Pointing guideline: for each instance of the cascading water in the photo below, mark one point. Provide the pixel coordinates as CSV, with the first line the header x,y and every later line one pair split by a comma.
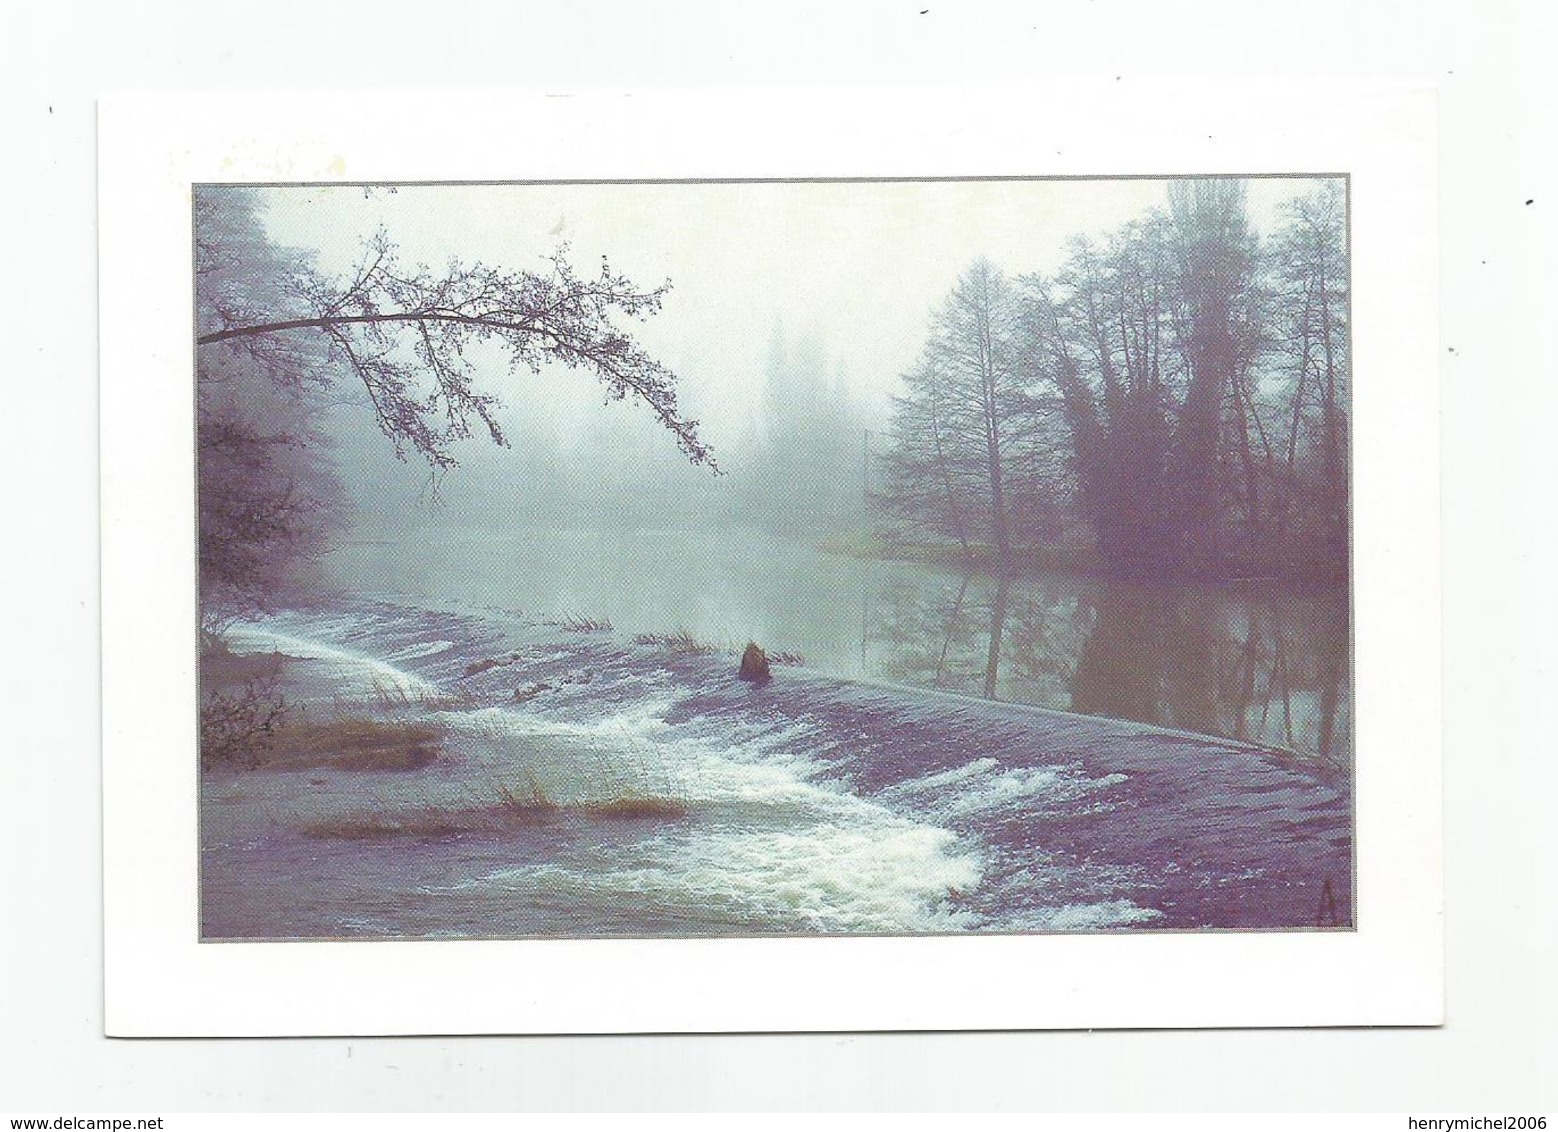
x,y
680,800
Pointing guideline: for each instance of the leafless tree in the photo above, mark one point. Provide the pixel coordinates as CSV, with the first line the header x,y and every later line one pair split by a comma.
x,y
1310,284
973,453
404,333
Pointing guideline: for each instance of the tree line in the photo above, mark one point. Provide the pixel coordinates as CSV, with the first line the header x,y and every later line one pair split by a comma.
x,y
1174,399
802,457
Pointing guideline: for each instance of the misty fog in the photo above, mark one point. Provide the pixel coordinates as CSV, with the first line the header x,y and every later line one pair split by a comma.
x,y
794,311
817,336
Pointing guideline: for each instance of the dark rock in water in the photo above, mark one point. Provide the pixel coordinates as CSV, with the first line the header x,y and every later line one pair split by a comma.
x,y
754,665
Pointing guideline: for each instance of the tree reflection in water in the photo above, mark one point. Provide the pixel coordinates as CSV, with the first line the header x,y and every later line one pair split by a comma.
x,y
1264,665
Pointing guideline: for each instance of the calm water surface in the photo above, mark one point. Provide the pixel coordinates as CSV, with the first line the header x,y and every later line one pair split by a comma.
x,y
1257,662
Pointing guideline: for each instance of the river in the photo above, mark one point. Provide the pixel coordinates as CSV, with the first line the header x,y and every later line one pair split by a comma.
x,y
1259,662
602,771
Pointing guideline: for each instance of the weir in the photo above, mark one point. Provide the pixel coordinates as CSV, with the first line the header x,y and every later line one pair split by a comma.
x,y
807,803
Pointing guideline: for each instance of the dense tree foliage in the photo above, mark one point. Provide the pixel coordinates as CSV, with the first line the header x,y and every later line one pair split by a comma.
x,y
1180,388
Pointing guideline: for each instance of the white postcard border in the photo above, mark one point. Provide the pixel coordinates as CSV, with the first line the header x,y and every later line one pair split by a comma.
x,y
161,981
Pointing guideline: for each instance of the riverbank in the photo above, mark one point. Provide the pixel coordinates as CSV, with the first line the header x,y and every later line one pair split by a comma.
x,y
334,714
1078,557
976,558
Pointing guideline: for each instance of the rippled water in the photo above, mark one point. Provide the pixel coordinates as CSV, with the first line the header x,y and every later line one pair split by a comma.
x,y
809,804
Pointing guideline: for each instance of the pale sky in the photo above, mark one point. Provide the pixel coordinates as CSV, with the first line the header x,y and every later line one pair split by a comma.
x,y
857,266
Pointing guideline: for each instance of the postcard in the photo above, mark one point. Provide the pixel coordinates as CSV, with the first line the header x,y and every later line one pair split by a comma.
x,y
706,566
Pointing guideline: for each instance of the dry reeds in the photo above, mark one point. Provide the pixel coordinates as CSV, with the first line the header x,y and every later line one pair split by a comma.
x,y
391,697
422,824
630,808
515,808
532,800
684,643
680,641
355,743
398,697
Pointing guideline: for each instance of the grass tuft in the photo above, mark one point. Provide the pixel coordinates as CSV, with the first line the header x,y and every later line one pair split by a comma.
x,y
680,641
515,808
635,808
429,824
391,697
684,643
354,743
531,800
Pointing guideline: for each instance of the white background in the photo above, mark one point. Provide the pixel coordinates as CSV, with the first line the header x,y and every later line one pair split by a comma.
x,y
1497,508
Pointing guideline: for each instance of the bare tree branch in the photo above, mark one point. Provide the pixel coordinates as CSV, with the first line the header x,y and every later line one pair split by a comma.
x,y
404,335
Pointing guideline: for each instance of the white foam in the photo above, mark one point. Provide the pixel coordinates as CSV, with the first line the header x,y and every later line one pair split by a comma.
x,y
1081,917
571,764
981,786
415,652
639,725
637,752
764,842
880,877
351,665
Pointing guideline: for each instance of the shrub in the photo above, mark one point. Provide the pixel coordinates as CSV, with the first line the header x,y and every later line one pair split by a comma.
x,y
240,727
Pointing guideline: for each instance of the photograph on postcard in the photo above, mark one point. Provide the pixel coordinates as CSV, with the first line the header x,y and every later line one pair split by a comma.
x,y
736,558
